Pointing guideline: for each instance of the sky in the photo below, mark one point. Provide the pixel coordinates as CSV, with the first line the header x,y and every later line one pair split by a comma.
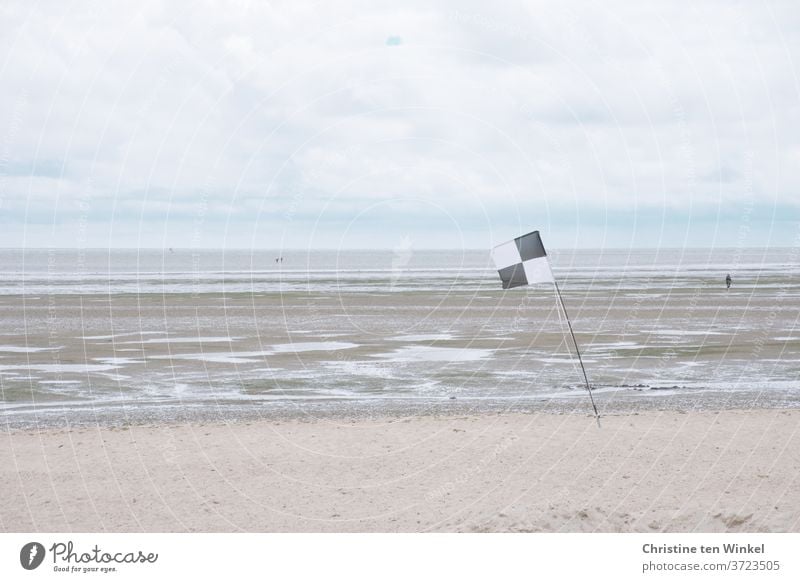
x,y
399,124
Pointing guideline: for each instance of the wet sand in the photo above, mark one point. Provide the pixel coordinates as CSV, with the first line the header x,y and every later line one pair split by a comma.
x,y
354,402
658,471
122,358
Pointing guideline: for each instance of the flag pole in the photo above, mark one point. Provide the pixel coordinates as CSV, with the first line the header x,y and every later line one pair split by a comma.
x,y
577,351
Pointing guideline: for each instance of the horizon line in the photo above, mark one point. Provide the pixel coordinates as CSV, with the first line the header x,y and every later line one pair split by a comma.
x,y
327,249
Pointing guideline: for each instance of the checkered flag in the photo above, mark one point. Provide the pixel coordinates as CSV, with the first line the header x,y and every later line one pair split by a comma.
x,y
522,261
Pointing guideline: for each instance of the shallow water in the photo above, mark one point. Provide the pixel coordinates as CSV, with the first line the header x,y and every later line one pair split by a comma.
x,y
147,334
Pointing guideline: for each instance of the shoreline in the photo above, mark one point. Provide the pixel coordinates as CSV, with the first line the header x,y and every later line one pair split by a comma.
x,y
65,416
732,470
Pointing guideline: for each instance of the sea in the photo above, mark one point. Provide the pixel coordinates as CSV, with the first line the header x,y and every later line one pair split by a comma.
x,y
119,336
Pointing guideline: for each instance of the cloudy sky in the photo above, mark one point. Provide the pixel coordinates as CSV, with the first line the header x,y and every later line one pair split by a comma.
x,y
374,124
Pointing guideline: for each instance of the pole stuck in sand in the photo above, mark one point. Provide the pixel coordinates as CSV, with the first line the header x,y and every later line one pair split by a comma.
x,y
577,351
523,261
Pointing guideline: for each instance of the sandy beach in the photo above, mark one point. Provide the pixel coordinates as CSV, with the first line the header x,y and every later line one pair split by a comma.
x,y
736,471
193,392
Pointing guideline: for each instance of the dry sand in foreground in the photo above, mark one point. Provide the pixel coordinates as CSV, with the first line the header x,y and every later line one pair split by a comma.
x,y
660,471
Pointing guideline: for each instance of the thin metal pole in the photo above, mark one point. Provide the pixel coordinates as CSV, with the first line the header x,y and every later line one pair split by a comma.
x,y
577,351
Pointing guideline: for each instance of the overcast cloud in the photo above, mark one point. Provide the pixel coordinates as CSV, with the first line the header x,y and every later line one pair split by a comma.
x,y
363,124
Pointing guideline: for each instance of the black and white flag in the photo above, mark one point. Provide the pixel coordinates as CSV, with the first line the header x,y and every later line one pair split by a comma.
x,y
522,261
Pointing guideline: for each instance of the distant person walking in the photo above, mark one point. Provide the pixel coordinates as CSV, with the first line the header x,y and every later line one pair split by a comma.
x,y
728,281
